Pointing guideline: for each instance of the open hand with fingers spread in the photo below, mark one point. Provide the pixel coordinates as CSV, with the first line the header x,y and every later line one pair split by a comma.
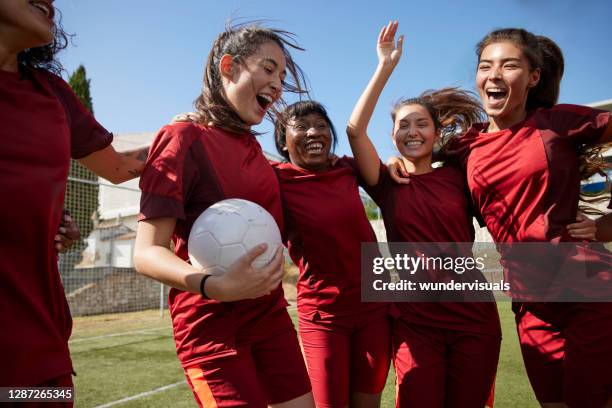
x,y
389,52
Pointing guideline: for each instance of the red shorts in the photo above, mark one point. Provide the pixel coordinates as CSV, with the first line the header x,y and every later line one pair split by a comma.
x,y
61,381
443,368
345,355
270,370
567,350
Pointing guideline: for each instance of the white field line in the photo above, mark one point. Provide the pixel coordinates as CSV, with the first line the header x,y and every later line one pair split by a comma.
x,y
146,331
141,395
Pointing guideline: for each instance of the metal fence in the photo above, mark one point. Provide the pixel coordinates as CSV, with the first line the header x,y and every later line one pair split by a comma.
x,y
98,272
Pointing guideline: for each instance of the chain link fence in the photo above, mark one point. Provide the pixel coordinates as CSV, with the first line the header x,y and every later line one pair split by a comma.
x,y
98,272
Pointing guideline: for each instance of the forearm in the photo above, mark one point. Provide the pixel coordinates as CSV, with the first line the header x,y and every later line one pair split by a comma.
x,y
604,228
161,264
114,166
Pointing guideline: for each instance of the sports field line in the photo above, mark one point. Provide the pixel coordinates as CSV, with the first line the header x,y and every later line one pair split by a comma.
x,y
146,331
141,395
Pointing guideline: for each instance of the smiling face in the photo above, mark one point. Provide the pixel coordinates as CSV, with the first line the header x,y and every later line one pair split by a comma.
x,y
26,23
254,84
414,134
309,140
503,80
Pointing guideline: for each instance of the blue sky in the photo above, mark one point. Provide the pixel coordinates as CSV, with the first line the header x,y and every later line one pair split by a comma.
x,y
146,58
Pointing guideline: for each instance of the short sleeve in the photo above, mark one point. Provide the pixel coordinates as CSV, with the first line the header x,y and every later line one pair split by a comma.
x,y
167,172
582,124
379,191
87,135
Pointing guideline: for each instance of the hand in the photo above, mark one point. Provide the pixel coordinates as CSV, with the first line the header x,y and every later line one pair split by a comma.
x,y
585,228
186,117
242,281
67,234
388,52
398,171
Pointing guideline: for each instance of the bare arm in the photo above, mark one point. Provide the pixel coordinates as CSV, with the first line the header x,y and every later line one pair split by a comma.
x,y
364,151
153,258
114,166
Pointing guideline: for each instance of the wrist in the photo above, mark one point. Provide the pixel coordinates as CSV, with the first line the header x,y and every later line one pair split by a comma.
x,y
212,287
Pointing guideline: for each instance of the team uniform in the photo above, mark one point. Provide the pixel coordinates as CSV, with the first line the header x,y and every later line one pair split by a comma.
x,y
525,182
44,124
445,353
242,353
346,343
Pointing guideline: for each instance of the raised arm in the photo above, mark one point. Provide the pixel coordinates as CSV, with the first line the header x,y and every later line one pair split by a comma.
x,y
364,151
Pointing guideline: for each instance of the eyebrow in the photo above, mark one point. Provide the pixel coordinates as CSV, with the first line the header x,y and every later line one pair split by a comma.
x,y
503,60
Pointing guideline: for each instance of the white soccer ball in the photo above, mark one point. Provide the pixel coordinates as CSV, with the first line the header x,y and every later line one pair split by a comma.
x,y
227,230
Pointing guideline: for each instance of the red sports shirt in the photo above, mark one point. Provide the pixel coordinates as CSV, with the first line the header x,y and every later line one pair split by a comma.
x,y
44,124
433,207
325,224
189,168
525,182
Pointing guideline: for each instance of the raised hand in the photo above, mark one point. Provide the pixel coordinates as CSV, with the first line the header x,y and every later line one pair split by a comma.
x,y
388,51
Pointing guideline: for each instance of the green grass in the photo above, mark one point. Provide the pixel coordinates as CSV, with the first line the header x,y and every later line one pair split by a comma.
x,y
140,356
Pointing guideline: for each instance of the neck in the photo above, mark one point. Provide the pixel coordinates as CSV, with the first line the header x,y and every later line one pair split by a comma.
x,y
500,123
8,50
418,166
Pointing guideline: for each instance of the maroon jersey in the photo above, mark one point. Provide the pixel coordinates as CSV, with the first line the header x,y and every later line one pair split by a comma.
x,y
189,168
325,224
44,124
525,182
433,207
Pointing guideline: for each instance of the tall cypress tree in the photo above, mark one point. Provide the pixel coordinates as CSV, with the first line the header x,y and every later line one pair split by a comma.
x,y
81,194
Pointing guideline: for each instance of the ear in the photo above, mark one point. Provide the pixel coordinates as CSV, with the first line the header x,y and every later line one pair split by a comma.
x,y
534,78
226,66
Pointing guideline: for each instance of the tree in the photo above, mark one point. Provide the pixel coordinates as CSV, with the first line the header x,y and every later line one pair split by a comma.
x,y
82,189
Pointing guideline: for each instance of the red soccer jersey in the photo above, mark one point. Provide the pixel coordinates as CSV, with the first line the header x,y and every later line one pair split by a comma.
x,y
433,207
43,125
325,224
189,168
525,180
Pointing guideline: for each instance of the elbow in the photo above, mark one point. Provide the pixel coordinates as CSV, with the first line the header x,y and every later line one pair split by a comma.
x,y
140,262
353,132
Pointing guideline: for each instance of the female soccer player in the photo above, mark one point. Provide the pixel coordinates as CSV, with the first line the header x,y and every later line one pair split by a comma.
x,y
233,334
529,158
346,342
43,125
445,354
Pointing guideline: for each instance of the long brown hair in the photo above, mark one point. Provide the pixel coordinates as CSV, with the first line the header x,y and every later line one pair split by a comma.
x,y
544,54
452,110
241,41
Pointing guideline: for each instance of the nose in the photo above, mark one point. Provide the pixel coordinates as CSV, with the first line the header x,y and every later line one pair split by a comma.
x,y
277,86
311,131
495,72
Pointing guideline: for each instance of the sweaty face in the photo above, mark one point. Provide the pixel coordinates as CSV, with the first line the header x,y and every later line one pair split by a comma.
x,y
27,23
309,141
256,83
503,80
414,133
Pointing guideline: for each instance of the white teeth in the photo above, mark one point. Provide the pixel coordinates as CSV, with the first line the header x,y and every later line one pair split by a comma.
x,y
267,98
314,147
413,143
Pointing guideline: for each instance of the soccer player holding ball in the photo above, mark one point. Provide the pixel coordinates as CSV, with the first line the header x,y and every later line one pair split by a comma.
x,y
233,335
346,342
43,126
445,353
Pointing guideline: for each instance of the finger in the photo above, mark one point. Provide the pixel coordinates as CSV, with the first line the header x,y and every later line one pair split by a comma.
x,y
400,43
388,30
393,30
583,231
381,35
580,217
576,225
250,256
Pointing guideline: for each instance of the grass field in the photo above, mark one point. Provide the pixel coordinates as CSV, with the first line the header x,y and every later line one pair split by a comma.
x,y
131,357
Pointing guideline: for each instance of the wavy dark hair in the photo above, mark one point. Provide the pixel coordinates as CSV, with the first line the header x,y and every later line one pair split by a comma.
x,y
544,54
44,57
453,112
241,41
294,111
